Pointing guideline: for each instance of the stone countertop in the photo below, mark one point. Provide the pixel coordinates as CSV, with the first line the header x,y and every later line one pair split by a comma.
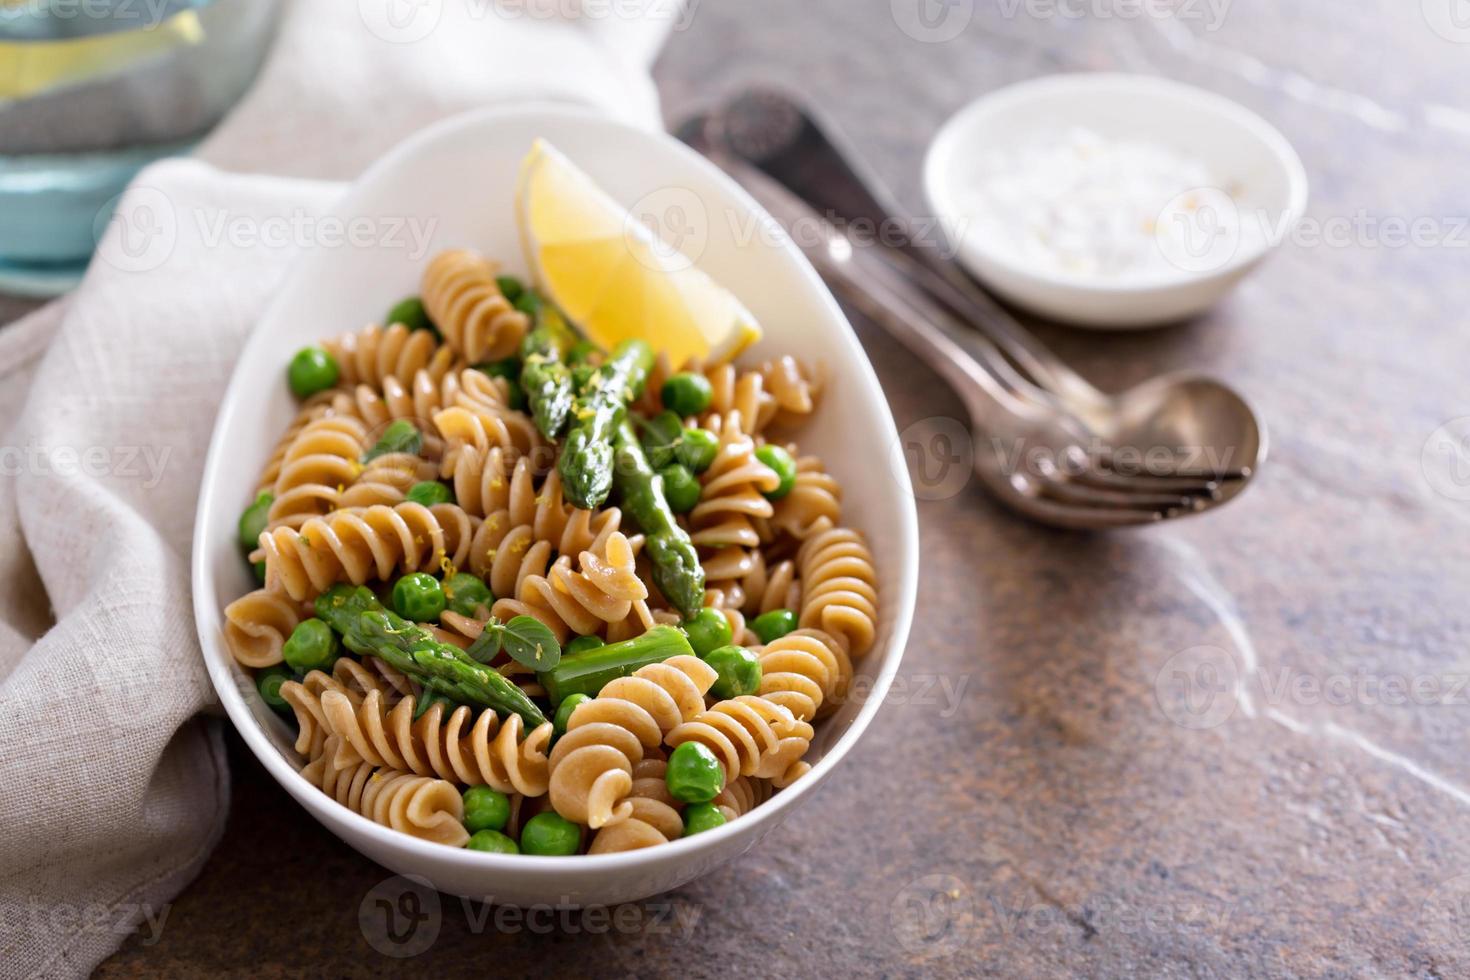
x,y
1224,747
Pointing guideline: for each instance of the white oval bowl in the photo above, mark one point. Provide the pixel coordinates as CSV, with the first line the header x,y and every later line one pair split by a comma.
x,y
462,173
1239,147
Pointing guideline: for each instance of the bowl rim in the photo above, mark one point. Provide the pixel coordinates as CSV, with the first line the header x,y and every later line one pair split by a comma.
x,y
708,844
947,141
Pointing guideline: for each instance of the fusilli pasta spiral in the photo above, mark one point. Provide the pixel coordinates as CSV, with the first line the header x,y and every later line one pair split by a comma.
x,y
750,735
806,671
257,625
426,395
374,354
461,297
357,546
722,523
766,588
654,818
349,678
741,796
603,595
815,498
776,392
387,480
320,462
334,401
420,806
501,755
839,586
482,448
592,764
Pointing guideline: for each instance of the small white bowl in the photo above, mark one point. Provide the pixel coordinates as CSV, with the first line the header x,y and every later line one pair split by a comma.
x,y
460,177
1264,175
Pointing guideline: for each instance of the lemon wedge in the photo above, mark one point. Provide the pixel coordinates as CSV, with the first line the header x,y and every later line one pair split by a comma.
x,y
612,276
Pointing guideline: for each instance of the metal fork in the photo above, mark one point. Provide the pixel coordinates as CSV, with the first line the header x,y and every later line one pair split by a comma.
x,y
1035,456
1017,393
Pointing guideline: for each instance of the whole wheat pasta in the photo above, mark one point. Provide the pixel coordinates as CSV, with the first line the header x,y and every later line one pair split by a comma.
x,y
441,541
592,764
373,355
839,587
357,546
319,464
749,735
460,746
463,300
257,625
420,806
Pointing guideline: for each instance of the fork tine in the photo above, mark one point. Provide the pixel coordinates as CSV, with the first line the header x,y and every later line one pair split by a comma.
x,y
1062,488
1104,458
1087,518
1147,483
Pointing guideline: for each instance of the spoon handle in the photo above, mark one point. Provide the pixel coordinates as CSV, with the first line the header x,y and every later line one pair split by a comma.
x,y
784,140
975,368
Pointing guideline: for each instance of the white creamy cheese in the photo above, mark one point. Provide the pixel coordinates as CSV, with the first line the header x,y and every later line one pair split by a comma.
x,y
1080,204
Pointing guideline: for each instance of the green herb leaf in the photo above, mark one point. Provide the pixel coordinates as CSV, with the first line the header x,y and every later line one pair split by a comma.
x,y
427,700
400,437
487,644
661,436
530,642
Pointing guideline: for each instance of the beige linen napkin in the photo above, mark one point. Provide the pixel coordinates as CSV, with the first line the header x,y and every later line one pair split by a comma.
x,y
113,786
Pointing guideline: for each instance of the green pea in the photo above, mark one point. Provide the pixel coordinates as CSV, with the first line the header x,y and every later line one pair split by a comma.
x,y
311,646
779,460
411,313
510,287
708,630
694,774
698,448
582,644
493,842
465,593
429,493
686,394
254,520
485,809
550,834
510,370
259,571
565,709
312,370
699,817
774,624
681,488
418,597
739,670
269,681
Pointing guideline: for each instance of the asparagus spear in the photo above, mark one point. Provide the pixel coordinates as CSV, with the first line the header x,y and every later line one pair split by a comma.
x,y
587,456
369,629
546,381
586,673
676,568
